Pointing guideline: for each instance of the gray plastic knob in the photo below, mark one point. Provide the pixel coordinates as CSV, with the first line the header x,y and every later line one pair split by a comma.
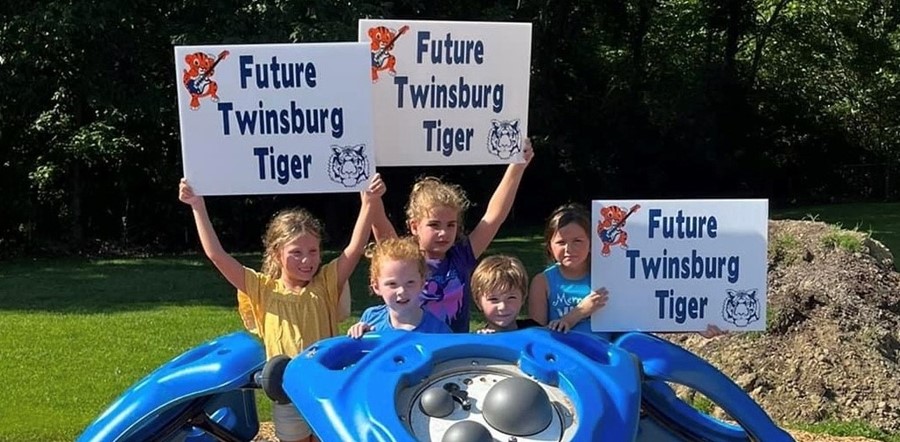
x,y
518,406
436,402
467,431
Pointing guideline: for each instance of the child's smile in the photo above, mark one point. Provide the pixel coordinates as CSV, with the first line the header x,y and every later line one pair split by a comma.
x,y
399,283
300,259
501,309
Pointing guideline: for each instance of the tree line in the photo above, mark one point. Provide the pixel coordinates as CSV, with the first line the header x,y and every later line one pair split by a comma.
x,y
792,100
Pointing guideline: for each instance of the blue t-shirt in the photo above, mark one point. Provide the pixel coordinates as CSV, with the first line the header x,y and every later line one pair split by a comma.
x,y
447,294
379,318
564,294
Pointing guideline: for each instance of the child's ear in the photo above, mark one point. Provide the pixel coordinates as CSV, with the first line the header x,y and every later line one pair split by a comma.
x,y
374,287
413,226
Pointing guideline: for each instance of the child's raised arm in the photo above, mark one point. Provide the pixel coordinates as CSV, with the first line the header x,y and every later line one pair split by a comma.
x,y
537,299
382,228
500,204
371,201
230,268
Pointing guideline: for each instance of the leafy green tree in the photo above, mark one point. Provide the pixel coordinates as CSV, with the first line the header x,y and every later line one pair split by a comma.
x,y
787,99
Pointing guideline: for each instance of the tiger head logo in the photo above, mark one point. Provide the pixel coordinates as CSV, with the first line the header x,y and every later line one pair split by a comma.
x,y
504,139
348,165
741,307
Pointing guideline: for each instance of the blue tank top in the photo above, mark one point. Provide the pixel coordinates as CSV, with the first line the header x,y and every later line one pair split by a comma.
x,y
564,294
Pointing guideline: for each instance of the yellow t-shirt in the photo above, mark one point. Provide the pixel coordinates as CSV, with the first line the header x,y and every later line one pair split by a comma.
x,y
290,320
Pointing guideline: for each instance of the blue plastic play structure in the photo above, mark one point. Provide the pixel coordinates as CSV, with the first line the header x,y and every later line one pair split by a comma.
x,y
194,397
533,384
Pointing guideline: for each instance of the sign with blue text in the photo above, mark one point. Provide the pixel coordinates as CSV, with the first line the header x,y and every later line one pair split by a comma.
x,y
283,118
448,93
680,265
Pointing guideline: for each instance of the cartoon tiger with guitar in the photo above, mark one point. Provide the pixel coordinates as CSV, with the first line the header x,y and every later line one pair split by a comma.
x,y
197,78
611,228
382,41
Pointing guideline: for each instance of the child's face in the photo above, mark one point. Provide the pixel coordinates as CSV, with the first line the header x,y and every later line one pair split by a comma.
x,y
437,232
501,308
399,284
570,246
300,258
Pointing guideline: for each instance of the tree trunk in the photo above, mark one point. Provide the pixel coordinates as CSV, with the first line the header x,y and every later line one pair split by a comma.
x,y
761,41
76,230
639,33
735,27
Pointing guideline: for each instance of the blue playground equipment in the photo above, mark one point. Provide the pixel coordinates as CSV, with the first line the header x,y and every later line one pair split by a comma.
x,y
528,385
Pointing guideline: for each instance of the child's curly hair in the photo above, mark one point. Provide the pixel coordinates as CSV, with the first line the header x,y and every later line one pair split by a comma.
x,y
429,193
284,227
498,274
396,249
563,216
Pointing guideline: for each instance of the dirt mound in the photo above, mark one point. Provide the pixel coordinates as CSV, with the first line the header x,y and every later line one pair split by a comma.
x,y
832,346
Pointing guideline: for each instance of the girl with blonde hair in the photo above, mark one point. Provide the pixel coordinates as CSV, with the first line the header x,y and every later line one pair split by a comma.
x,y
434,216
293,302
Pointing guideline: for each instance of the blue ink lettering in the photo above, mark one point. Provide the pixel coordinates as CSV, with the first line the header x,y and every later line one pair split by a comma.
x,y
681,227
680,308
283,75
281,167
448,51
446,139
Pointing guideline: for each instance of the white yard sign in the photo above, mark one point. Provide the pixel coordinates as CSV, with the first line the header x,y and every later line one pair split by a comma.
x,y
286,118
680,265
448,93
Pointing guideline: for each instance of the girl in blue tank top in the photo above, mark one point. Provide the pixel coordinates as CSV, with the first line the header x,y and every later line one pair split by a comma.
x,y
561,296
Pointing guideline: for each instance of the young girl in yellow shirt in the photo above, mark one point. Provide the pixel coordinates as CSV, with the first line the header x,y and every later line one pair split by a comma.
x,y
293,302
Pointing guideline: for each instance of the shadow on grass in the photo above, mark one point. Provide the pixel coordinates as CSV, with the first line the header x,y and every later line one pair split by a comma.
x,y
75,285
88,286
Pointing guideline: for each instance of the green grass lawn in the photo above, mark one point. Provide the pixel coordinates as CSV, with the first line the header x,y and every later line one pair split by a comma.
x,y
76,333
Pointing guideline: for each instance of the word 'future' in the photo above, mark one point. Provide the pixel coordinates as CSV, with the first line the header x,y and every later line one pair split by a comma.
x,y
448,50
283,75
